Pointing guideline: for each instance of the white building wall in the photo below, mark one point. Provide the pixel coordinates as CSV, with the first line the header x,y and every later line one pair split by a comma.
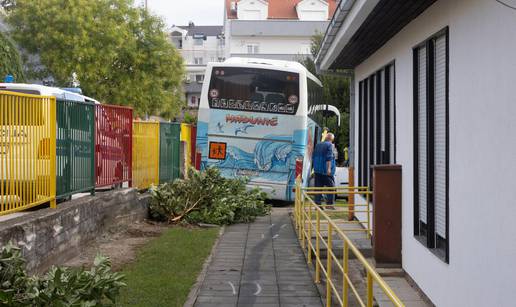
x,y
211,50
482,122
252,10
312,10
272,45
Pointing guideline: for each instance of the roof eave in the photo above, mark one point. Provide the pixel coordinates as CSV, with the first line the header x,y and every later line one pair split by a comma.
x,y
348,18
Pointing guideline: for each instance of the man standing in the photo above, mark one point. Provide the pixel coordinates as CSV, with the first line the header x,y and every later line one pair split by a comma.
x,y
323,160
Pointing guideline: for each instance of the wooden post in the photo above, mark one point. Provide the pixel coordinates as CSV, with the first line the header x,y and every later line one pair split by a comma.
x,y
351,197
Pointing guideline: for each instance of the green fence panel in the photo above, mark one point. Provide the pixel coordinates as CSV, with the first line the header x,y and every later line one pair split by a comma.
x,y
75,147
169,139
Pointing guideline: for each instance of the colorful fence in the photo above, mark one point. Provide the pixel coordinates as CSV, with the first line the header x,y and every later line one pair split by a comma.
x,y
186,136
146,149
75,147
27,151
169,143
51,150
113,148
193,145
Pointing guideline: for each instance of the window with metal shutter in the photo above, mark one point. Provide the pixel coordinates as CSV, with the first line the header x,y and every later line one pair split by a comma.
x,y
370,160
378,120
366,132
440,126
360,131
392,117
431,146
382,111
365,140
422,135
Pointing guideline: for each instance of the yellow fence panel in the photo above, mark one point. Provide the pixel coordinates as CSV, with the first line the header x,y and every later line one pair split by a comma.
x,y
27,151
186,136
145,154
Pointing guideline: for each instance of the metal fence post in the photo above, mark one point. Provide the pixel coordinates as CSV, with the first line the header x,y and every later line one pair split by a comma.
x,y
309,233
329,265
345,286
369,289
317,248
303,222
52,150
368,214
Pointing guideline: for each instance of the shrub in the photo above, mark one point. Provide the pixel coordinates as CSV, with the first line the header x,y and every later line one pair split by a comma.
x,y
207,197
60,286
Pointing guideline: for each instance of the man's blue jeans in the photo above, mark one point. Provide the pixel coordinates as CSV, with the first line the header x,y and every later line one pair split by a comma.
x,y
322,180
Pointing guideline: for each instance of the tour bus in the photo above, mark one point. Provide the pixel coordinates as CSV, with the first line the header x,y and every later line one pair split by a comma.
x,y
260,119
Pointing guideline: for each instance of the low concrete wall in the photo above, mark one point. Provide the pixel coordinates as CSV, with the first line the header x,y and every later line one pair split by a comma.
x,y
52,236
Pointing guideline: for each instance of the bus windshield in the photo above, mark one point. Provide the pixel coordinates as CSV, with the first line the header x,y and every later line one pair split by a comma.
x,y
254,90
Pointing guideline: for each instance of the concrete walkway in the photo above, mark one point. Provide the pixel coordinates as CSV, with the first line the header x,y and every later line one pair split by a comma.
x,y
259,264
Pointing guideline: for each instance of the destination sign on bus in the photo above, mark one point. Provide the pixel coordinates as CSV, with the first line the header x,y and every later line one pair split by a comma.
x,y
255,106
254,90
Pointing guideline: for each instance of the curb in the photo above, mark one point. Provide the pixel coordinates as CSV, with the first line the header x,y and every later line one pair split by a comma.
x,y
194,291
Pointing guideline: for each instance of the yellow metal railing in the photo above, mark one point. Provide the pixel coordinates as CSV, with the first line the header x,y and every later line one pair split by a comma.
x,y
27,151
309,218
350,207
145,154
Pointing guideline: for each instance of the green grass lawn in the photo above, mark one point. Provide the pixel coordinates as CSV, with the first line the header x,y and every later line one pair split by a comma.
x,y
167,267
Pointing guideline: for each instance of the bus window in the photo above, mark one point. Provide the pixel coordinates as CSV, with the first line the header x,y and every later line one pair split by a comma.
x,y
254,90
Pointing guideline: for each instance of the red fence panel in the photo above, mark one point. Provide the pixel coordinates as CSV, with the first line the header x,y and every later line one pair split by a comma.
x,y
113,145
193,145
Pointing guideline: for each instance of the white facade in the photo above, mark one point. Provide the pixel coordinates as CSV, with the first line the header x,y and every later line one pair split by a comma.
x,y
252,30
312,10
198,45
279,45
482,150
252,10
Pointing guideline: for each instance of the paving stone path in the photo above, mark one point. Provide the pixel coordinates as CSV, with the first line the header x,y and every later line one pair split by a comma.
x,y
259,264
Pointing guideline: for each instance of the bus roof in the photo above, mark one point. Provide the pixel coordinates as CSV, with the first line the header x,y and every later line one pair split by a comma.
x,y
276,63
46,91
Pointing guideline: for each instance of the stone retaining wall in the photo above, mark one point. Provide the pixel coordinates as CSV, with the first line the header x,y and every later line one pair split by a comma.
x,y
51,236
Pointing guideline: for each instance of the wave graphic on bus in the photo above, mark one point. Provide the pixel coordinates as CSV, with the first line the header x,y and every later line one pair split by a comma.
x,y
272,160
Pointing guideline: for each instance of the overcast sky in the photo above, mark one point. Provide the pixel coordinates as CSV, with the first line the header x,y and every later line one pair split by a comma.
x,y
180,12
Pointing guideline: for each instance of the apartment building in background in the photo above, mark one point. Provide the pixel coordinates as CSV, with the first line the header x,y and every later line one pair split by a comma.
x,y
274,29
198,45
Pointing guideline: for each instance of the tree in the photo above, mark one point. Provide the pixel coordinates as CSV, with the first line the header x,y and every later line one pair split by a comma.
x,y
119,53
335,92
7,4
10,61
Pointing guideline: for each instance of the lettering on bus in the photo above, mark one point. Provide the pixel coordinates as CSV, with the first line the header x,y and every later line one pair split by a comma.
x,y
253,106
260,121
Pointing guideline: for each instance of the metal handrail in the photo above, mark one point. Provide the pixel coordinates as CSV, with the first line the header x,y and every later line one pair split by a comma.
x,y
305,226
